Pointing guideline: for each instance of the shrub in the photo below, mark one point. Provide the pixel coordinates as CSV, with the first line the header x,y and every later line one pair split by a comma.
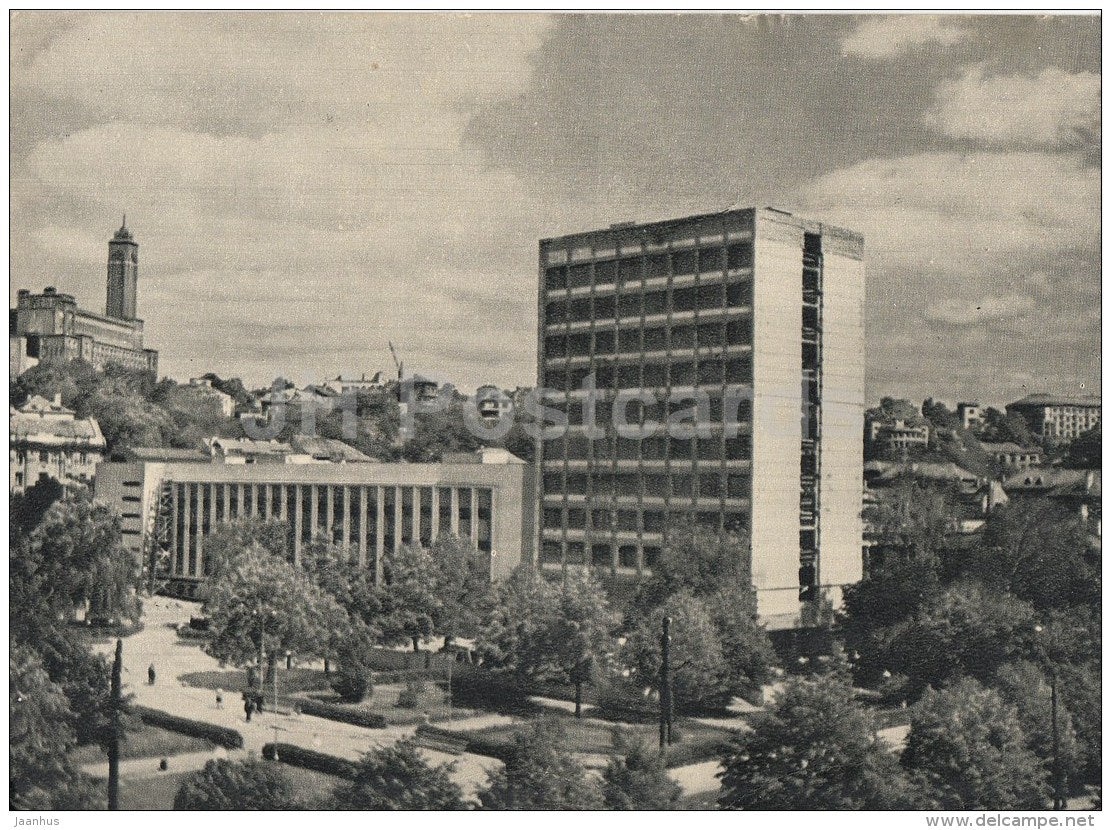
x,y
339,712
235,785
411,695
352,682
309,759
219,735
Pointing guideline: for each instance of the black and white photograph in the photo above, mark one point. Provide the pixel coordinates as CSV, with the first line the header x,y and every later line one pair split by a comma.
x,y
564,411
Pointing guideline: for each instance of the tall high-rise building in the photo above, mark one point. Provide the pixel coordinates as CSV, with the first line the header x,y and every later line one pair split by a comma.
x,y
753,318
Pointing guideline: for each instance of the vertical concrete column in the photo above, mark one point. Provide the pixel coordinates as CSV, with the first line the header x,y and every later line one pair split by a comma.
x,y
435,514
346,518
298,499
314,505
380,534
455,511
363,491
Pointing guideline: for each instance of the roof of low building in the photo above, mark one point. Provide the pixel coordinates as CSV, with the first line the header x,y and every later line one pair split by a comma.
x,y
1008,447
1046,478
1044,399
161,454
327,448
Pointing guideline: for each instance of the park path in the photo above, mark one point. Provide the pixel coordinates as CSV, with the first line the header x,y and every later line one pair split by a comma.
x,y
157,644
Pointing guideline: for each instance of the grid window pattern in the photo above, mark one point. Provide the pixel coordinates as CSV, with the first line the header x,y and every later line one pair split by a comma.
x,y
674,318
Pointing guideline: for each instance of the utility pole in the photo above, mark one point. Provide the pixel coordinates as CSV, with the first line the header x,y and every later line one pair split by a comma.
x,y
114,725
1060,795
665,685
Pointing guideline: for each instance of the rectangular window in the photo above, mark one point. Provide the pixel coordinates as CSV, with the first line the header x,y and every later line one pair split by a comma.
x,y
738,294
465,519
553,518
628,305
578,276
739,255
601,556
738,332
738,486
627,556
551,553
628,340
684,262
555,345
605,272
655,302
576,484
575,553
605,307
655,485
555,279
655,339
654,521
576,518
485,519
683,374
684,299
578,345
579,309
628,377
655,374
425,494
709,485
603,342
555,312
627,520
682,337
389,519
629,271
709,260
657,266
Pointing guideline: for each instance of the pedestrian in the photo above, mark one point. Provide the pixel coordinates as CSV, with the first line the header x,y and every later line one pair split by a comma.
x,y
249,709
150,674
219,698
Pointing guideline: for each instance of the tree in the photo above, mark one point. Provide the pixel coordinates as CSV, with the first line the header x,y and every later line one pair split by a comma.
x,y
261,603
398,778
1086,451
749,654
966,630
236,785
1003,427
229,539
515,632
1038,551
968,741
939,414
40,736
699,560
540,773
582,632
1023,684
28,508
462,578
816,749
409,600
74,558
700,677
636,778
353,680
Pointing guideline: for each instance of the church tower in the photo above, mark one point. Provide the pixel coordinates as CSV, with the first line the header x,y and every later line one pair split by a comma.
x,y
123,274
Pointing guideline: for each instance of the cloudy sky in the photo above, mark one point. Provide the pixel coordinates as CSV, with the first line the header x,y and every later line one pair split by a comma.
x,y
307,187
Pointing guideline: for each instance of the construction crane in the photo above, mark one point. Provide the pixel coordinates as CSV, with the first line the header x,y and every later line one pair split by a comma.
x,y
400,366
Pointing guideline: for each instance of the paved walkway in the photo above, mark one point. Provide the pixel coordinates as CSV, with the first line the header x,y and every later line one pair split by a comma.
x,y
172,657
138,768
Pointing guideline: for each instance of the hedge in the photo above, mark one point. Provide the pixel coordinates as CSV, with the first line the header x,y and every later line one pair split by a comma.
x,y
219,735
343,714
310,759
475,742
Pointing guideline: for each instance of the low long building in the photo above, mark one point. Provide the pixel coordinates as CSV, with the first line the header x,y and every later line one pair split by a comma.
x,y
1059,417
173,506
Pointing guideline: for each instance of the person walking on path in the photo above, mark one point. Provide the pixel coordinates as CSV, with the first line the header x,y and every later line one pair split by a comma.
x,y
150,674
219,698
249,708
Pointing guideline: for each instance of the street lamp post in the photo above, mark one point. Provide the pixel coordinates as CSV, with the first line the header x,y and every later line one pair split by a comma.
x,y
1060,791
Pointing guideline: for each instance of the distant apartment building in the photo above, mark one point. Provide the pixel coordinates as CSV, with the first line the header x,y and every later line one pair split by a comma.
x,y
47,440
1012,455
173,505
50,327
1059,417
754,307
971,415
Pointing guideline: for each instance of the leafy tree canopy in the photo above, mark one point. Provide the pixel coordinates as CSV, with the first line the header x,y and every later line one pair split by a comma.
x,y
398,778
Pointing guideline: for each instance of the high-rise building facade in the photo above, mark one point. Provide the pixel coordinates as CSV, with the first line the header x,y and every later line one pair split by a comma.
x,y
752,320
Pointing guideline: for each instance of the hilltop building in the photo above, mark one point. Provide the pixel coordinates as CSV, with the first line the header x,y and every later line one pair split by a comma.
x,y
51,327
1059,417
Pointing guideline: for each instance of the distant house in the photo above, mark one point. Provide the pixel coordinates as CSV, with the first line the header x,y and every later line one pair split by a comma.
x,y
203,388
340,384
493,402
300,449
971,415
1012,455
321,398
1079,490
47,440
896,427
424,389
1059,417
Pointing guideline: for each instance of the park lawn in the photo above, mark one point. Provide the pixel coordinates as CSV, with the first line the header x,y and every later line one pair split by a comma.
x,y
234,681
145,741
158,792
432,702
589,736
